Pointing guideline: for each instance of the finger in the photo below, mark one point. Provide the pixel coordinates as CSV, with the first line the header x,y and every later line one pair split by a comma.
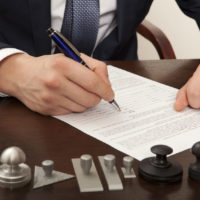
x,y
67,104
97,66
193,90
54,100
52,103
61,111
181,99
102,71
87,79
56,104
78,95
53,110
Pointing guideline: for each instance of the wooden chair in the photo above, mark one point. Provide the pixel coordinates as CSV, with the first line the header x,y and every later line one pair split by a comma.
x,y
157,38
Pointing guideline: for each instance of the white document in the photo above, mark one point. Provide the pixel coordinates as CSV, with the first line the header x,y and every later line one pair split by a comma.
x,y
146,119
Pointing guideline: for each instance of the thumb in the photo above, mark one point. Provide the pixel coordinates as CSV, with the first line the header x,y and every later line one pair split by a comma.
x,y
181,99
97,66
103,73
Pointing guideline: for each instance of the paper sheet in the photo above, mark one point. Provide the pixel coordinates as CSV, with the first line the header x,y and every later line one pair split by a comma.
x,y
147,117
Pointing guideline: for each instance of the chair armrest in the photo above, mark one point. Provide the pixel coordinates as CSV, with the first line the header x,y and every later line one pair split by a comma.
x,y
157,38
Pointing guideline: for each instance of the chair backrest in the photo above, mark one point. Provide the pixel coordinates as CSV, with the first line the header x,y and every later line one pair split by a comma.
x,y
158,39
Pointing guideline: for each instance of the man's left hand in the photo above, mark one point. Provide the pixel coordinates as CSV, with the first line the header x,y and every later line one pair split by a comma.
x,y
189,94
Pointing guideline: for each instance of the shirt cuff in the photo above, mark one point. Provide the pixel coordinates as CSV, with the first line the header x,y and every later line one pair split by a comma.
x,y
4,53
3,95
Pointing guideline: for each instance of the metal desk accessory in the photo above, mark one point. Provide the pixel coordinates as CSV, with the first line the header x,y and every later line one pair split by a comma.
x,y
45,175
86,174
13,172
128,167
112,177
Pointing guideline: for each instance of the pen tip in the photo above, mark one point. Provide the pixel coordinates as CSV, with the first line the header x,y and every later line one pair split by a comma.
x,y
115,104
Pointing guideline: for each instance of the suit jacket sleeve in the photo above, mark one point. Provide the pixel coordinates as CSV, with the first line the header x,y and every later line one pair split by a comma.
x,y
191,8
3,43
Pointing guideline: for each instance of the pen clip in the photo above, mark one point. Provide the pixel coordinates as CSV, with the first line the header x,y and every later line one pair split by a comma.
x,y
68,43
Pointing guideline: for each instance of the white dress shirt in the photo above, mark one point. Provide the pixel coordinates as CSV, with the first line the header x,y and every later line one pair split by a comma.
x,y
107,23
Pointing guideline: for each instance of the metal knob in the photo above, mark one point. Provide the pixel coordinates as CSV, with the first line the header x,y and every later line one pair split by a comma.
x,y
48,166
13,156
13,172
128,164
86,163
109,161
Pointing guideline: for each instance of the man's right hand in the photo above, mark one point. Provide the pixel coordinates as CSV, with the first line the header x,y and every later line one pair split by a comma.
x,y
55,84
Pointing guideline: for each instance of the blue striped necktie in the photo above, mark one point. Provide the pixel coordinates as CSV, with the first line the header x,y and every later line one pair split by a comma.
x,y
80,24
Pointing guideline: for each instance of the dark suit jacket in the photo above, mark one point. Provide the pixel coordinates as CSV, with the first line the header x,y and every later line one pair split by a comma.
x,y
23,25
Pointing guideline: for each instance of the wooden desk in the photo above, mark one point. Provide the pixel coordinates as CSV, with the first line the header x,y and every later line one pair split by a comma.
x,y
48,138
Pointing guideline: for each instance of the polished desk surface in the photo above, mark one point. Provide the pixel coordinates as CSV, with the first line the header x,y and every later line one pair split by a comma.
x,y
44,137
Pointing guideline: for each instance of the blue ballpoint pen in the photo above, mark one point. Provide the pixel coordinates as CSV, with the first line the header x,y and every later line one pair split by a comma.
x,y
67,48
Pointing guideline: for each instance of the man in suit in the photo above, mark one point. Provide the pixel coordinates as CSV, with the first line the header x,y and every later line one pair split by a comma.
x,y
54,84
